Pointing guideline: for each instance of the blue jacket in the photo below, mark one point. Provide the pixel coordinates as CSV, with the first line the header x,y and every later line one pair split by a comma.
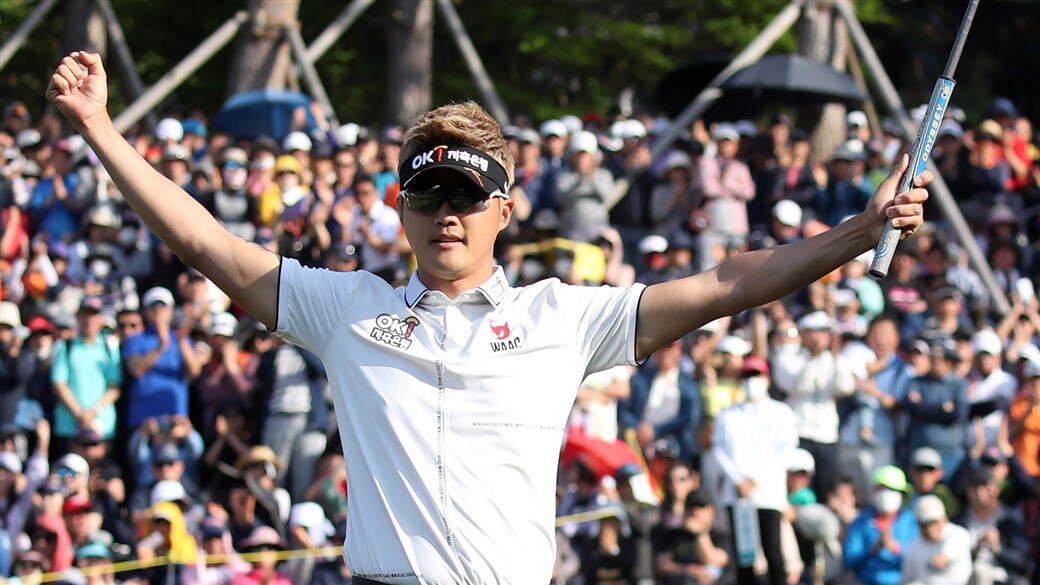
x,y
683,428
882,568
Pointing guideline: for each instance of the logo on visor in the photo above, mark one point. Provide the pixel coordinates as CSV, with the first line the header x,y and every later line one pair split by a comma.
x,y
440,153
393,331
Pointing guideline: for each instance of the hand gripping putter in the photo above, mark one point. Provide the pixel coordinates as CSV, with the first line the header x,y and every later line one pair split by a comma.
x,y
924,142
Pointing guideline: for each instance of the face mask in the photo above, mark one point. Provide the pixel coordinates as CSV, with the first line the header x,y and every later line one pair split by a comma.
x,y
887,501
100,268
127,237
234,179
756,388
288,181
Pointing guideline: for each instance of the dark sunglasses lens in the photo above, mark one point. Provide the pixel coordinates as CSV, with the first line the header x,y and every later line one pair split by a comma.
x,y
428,202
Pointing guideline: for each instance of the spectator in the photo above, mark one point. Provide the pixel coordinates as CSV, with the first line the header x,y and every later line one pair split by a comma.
x,y
83,520
842,189
673,200
1000,550
160,360
812,380
163,450
264,541
937,408
16,366
308,529
595,412
329,489
223,564
687,553
29,566
232,203
926,473
229,375
163,533
74,473
941,553
990,390
259,467
241,512
17,488
584,190
799,180
233,437
727,186
664,402
374,229
87,376
95,560
877,539
752,442
333,571
50,538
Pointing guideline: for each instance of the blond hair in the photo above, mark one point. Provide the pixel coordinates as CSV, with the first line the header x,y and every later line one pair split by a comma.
x,y
462,124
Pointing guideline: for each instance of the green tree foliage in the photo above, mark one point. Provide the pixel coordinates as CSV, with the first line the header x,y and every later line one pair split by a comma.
x,y
548,57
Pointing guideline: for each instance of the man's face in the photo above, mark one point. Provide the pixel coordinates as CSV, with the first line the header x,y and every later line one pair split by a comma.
x,y
366,194
987,363
448,245
346,166
90,323
925,478
168,470
932,531
883,337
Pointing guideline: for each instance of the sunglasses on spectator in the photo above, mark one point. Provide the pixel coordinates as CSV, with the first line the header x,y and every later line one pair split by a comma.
x,y
925,468
65,472
462,201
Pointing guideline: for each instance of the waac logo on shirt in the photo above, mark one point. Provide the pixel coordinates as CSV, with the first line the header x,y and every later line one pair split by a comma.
x,y
393,331
504,338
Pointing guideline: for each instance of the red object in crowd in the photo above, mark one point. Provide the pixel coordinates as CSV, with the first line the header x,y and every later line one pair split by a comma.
x,y
600,457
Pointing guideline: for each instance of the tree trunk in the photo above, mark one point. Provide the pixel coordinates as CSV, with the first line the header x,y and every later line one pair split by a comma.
x,y
821,37
410,61
262,56
84,28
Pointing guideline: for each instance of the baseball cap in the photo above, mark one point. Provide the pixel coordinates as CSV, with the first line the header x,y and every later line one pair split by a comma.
x,y
948,292
75,504
71,577
951,128
697,499
27,139
734,345
801,460
986,341
223,324
1002,106
169,129
348,134
485,172
553,128
815,321
343,251
844,297
1031,370
725,132
10,462
90,305
392,135
788,213
745,128
297,141
584,141
258,454
262,535
529,136
73,462
754,365
168,490
212,528
677,159
194,126
157,294
981,475
990,129
847,154
165,453
10,315
857,119
926,457
39,323
87,435
653,244
234,155
93,550
929,509
175,152
681,240
16,109
890,477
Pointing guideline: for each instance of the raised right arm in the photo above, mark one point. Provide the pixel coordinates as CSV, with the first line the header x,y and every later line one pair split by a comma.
x,y
245,271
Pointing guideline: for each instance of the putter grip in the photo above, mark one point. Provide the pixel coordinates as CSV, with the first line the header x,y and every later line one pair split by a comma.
x,y
919,155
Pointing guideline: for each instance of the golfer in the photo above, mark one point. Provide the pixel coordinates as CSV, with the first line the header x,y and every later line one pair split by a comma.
x,y
452,392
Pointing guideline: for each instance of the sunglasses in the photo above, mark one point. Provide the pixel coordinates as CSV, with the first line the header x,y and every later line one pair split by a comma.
x,y
462,201
65,472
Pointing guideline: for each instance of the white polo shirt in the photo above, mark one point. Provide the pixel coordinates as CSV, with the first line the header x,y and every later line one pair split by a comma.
x,y
452,413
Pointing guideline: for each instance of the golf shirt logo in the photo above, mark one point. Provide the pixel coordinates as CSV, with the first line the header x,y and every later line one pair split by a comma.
x,y
393,331
501,333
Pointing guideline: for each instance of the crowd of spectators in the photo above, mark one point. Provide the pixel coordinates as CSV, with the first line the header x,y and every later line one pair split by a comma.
x,y
857,431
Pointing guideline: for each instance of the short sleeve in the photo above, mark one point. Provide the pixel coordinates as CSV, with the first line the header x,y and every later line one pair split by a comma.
x,y
311,302
606,324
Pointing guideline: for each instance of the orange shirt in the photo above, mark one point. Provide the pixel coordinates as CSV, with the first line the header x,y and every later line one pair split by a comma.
x,y
1025,415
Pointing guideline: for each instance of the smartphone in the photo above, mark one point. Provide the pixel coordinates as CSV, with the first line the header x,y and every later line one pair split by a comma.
x,y
1025,290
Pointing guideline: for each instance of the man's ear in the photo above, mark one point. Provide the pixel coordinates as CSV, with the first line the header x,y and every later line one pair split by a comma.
x,y
505,213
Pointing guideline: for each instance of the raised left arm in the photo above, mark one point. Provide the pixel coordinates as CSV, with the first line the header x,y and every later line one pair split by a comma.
x,y
672,309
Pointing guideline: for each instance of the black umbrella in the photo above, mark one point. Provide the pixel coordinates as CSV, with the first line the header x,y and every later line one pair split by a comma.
x,y
793,79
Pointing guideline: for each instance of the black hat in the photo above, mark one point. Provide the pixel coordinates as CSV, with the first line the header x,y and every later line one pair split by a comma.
x,y
697,499
343,251
165,453
480,167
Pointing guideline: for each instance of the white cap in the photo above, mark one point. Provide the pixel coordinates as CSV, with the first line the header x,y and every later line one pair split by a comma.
x,y
1029,352
844,297
734,345
745,128
10,461
677,159
1032,370
815,321
573,123
951,127
725,131
73,462
348,134
168,490
986,341
929,509
223,324
632,129
306,514
856,118
584,141
27,138
10,315
653,243
157,294
553,128
788,213
297,141
801,460
169,129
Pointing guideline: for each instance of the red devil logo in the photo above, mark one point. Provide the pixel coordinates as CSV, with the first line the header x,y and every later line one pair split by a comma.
x,y
501,331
